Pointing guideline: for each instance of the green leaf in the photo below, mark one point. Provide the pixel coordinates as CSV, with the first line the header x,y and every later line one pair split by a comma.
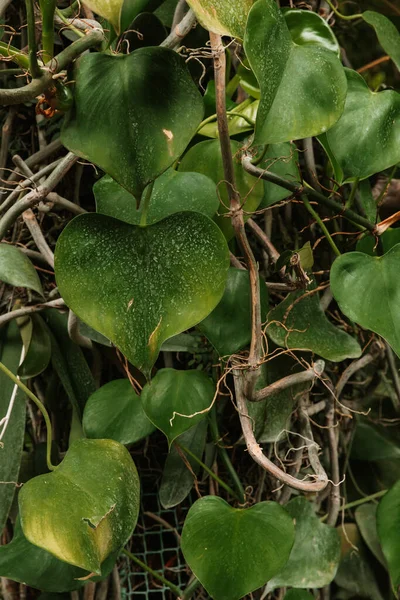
x,y
363,151
249,545
281,159
172,192
38,353
115,412
367,201
140,286
12,441
294,594
387,34
221,16
177,479
145,30
388,239
236,124
206,158
86,508
367,291
109,9
381,444
285,70
172,396
308,28
16,269
366,520
303,325
142,130
315,555
130,10
228,327
388,523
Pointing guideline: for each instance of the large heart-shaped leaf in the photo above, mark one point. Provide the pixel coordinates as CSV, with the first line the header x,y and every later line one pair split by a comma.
x,y
299,322
86,508
171,399
206,158
366,139
115,412
109,9
172,192
222,16
368,292
249,545
139,286
315,555
388,523
387,34
16,269
142,131
285,70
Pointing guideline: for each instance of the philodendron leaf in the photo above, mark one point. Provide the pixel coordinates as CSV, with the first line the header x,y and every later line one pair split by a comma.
x,y
366,520
171,399
387,34
206,158
310,73
115,412
139,286
109,9
388,523
308,28
16,269
142,130
86,508
315,555
368,292
299,322
38,353
222,16
172,192
249,545
281,159
366,139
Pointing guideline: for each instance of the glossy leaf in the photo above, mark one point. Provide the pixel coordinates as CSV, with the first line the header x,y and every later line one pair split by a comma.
x,y
172,192
140,286
221,16
315,555
285,70
303,325
115,412
206,158
177,479
367,291
86,508
109,9
365,516
364,151
388,524
236,124
38,352
387,34
308,28
249,545
16,269
171,396
142,130
13,438
282,160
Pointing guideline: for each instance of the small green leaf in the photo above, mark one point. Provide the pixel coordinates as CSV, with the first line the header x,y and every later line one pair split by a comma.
x,y
16,269
172,192
142,130
221,16
315,555
303,325
364,151
109,9
249,545
86,508
282,160
172,396
38,353
367,201
228,327
367,291
388,523
366,520
306,256
115,412
308,28
206,158
387,34
139,286
285,70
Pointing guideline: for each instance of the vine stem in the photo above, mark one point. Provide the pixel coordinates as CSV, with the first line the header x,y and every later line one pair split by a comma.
x,y
40,406
177,591
47,8
352,195
322,225
33,61
340,15
13,54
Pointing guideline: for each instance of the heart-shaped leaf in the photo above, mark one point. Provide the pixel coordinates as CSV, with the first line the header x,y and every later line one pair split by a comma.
x,y
362,151
173,396
308,28
16,269
139,286
388,523
221,16
109,9
115,412
86,508
299,322
172,192
206,158
142,130
315,555
387,34
249,545
368,292
310,73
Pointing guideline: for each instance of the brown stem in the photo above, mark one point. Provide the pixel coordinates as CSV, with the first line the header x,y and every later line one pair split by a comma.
x,y
289,381
27,310
180,31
